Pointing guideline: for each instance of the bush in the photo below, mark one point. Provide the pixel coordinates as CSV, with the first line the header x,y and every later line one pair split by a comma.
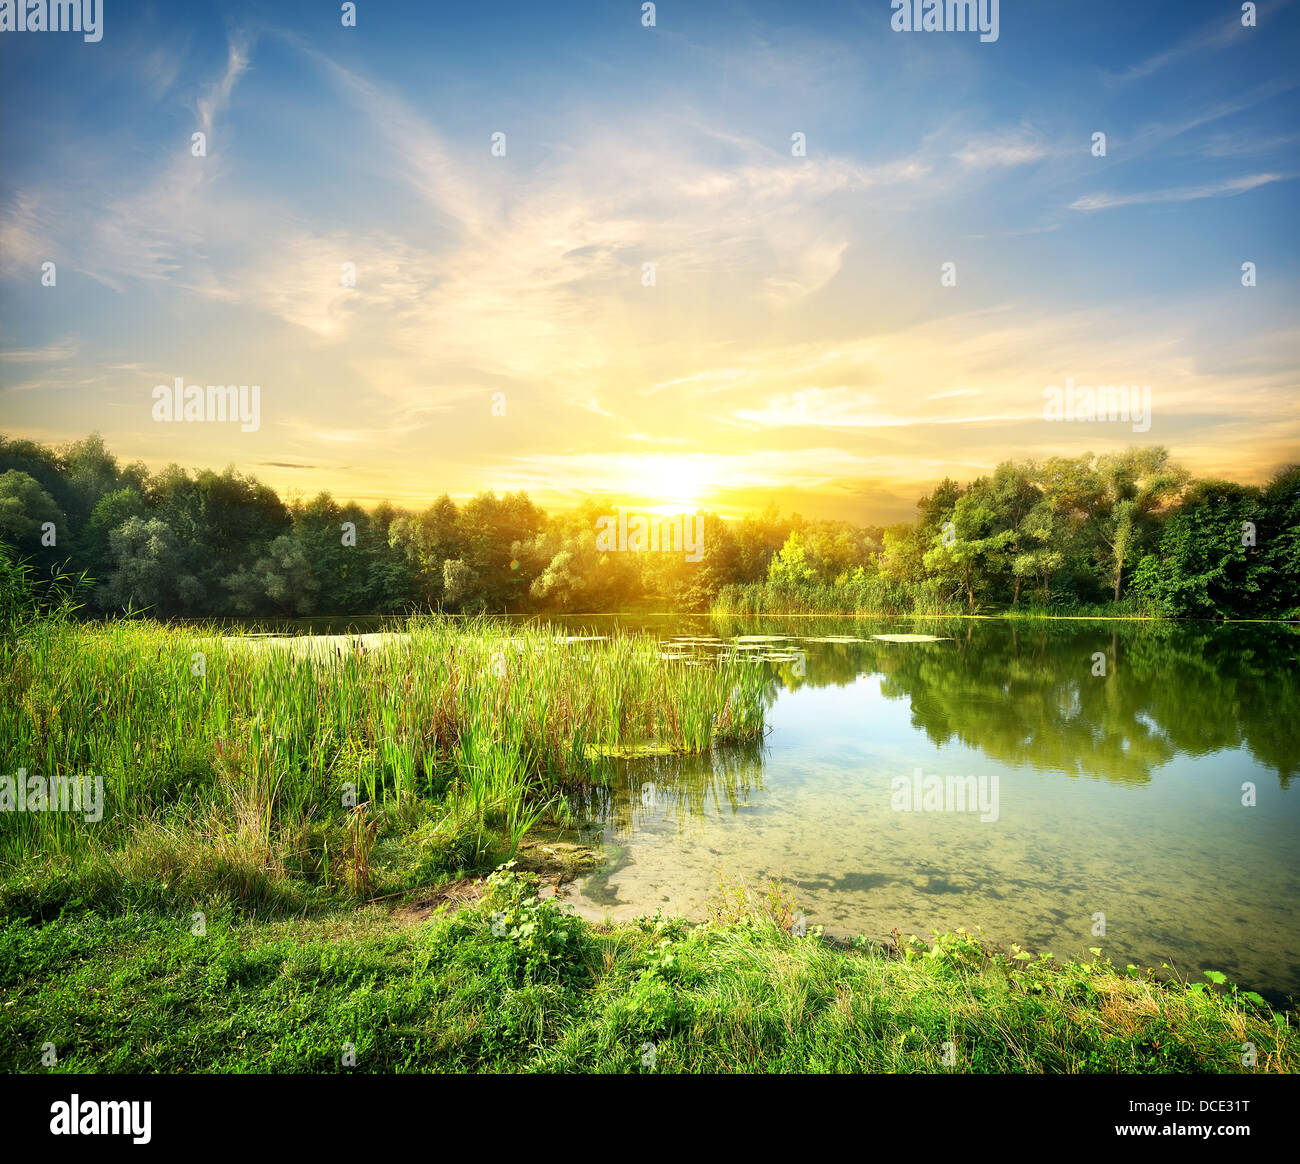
x,y
515,938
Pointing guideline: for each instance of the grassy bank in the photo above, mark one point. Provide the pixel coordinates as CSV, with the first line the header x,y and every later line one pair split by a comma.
x,y
877,598
243,902
869,596
517,984
268,775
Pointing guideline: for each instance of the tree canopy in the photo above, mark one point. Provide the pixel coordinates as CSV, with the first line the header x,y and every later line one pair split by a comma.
x,y
1127,528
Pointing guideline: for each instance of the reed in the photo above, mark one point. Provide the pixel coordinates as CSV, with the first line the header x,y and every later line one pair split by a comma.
x,y
263,746
873,596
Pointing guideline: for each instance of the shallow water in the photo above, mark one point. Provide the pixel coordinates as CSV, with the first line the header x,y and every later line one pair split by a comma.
x,y
1117,794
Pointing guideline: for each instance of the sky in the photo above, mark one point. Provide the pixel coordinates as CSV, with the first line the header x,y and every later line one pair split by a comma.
x,y
795,339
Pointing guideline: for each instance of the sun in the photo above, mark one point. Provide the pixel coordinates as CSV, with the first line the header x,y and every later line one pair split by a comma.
x,y
666,482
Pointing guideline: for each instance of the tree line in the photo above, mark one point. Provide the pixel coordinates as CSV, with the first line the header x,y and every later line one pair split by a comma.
x,y
1126,532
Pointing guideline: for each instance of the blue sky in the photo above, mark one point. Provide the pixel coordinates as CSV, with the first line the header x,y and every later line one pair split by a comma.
x,y
797,343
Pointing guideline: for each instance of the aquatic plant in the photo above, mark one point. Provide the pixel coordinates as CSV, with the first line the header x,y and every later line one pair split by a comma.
x,y
257,752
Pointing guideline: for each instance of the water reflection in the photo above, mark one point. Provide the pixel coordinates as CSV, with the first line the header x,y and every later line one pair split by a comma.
x,y
1108,700
1073,718
680,789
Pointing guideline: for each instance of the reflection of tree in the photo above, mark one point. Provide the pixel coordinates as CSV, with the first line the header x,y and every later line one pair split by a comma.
x,y
1029,700
1236,685
683,787
1024,692
1029,696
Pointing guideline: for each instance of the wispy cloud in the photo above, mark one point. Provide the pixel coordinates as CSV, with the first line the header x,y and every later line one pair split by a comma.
x,y
794,337
1180,194
1017,148
216,96
52,353
1218,34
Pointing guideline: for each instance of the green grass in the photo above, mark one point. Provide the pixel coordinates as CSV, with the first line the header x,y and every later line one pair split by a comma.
x,y
869,596
515,984
879,598
272,776
225,795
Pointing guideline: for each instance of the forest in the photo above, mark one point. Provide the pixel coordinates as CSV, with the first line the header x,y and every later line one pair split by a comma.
x,y
1123,533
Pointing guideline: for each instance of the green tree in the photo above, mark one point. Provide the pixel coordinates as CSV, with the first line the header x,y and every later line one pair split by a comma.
x,y
1219,553
427,540
284,576
110,512
1037,553
758,539
1278,537
24,508
969,549
563,581
148,570
791,565
490,528
1114,499
1012,496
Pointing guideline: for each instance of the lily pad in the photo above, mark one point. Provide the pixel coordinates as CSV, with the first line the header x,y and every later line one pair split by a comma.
x,y
913,638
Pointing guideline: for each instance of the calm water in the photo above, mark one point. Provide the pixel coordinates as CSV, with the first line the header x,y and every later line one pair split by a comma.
x,y
1118,794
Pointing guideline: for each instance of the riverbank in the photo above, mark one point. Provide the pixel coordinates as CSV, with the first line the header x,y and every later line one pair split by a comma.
x,y
514,983
286,860
877,598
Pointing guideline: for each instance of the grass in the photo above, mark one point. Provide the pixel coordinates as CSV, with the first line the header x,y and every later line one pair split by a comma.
x,y
514,984
233,910
877,597
271,778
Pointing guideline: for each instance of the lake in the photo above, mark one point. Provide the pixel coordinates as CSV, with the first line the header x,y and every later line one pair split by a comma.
x,y
1118,795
